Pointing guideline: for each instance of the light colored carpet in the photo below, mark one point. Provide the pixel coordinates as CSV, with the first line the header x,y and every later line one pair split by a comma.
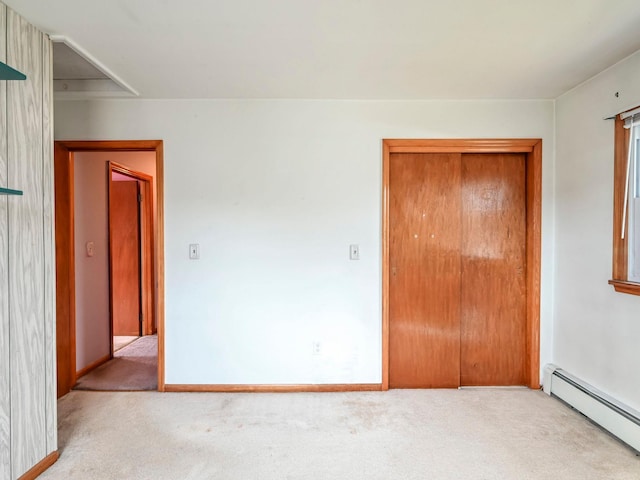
x,y
479,434
121,341
134,367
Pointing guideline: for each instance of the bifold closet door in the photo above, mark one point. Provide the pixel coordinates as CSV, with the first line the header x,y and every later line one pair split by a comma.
x,y
457,292
424,260
493,288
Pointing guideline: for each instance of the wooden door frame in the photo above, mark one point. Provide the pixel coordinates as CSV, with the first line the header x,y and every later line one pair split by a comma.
x,y
65,248
532,148
146,245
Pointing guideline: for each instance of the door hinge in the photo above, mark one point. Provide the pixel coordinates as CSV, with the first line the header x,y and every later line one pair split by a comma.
x,y
139,198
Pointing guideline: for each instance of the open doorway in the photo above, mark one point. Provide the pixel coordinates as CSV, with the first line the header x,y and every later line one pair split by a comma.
x,y
131,227
89,302
133,346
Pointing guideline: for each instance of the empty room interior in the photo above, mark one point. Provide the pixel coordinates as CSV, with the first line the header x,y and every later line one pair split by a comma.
x,y
295,239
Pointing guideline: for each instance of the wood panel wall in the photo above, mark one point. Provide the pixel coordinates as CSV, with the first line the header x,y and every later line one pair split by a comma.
x,y
26,247
5,393
27,268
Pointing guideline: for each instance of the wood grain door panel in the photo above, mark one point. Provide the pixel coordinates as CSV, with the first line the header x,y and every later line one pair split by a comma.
x,y
125,257
457,262
493,284
424,285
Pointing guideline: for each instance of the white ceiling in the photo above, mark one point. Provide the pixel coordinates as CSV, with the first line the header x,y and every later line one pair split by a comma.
x,y
357,49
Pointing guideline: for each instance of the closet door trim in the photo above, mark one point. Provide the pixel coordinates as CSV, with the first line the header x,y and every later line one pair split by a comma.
x,y
533,150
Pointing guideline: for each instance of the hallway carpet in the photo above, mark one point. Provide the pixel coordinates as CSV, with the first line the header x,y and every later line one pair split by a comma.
x,y
479,434
132,368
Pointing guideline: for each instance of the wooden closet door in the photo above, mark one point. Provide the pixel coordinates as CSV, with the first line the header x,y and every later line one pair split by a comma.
x,y
493,263
125,257
424,260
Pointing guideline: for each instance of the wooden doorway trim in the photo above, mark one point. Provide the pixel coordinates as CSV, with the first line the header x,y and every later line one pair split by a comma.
x,y
65,257
65,270
532,148
147,228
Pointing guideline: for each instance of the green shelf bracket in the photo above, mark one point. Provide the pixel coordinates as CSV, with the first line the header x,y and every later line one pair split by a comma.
x,y
8,73
8,191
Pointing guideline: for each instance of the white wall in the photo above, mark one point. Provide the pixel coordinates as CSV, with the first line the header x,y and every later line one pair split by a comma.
x,y
274,192
596,331
91,225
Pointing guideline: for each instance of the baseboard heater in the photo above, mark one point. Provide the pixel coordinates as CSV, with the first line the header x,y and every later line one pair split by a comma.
x,y
615,417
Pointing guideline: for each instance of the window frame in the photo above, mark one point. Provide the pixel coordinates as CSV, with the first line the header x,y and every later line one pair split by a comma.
x,y
619,280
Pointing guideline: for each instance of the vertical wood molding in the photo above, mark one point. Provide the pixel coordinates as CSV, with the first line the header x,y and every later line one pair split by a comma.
x,y
534,255
65,267
149,259
159,262
386,159
49,254
26,247
621,147
533,149
5,373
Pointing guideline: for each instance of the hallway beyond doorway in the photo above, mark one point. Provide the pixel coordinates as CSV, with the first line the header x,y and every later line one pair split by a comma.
x,y
133,367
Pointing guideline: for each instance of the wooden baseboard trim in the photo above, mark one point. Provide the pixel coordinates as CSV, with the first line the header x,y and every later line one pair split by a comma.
x,y
41,466
92,366
346,387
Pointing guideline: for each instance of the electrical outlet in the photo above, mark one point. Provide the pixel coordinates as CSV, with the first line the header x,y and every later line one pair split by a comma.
x,y
316,348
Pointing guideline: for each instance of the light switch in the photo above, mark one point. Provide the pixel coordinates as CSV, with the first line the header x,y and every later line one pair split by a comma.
x,y
354,252
194,251
91,249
